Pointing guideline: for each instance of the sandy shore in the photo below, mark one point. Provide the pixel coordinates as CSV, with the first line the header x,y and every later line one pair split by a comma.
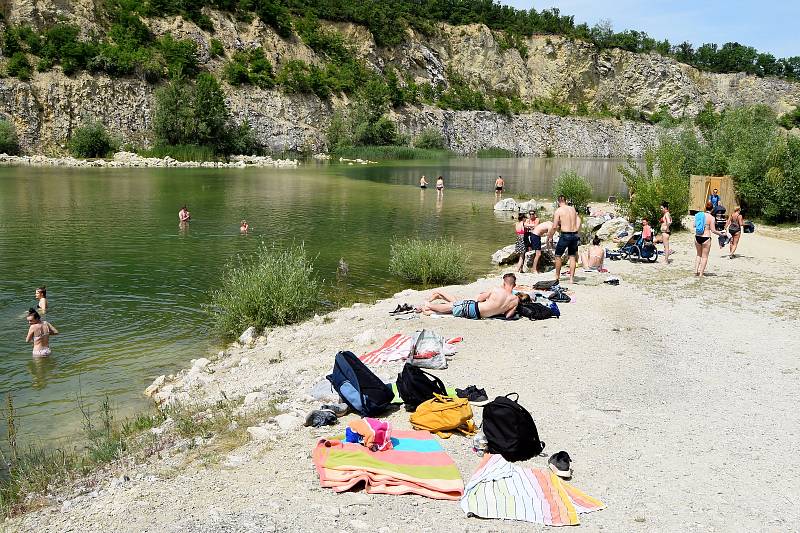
x,y
676,398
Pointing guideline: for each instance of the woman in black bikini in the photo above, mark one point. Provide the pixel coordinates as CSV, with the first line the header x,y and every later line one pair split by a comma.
x,y
734,228
702,242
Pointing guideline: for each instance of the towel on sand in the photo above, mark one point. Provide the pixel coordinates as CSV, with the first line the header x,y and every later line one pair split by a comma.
x,y
416,464
499,489
398,347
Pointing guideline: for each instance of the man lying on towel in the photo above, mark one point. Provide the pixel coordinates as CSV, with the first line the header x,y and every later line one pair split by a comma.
x,y
494,302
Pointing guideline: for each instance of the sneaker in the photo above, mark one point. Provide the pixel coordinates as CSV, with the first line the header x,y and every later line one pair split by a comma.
x,y
560,464
475,395
339,409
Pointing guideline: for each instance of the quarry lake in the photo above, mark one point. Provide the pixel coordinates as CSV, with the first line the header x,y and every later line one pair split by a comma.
x,y
126,286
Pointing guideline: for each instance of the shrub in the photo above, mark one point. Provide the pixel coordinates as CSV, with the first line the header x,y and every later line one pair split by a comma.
x,y
250,68
428,261
663,178
9,141
91,140
273,288
429,138
216,48
575,188
19,67
791,119
180,56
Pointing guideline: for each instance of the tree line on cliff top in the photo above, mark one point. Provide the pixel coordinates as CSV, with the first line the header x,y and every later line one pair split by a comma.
x,y
128,46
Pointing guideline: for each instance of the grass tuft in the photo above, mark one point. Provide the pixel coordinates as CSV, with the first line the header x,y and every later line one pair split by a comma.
x,y
381,153
182,152
433,261
273,288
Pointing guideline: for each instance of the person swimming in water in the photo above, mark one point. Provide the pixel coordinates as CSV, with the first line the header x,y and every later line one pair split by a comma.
x,y
39,332
41,298
184,215
244,227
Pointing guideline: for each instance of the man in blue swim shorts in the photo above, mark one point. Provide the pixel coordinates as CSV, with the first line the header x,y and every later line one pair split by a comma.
x,y
494,302
566,221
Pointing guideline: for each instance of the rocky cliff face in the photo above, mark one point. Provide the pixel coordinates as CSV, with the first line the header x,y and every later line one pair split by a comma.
x,y
46,109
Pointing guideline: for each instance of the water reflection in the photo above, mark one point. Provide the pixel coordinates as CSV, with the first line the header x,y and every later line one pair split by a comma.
x,y
40,369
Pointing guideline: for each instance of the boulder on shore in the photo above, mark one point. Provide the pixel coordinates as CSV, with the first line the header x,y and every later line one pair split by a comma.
x,y
614,227
506,204
505,255
509,256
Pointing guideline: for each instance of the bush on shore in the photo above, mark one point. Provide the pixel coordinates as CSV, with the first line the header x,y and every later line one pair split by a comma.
x,y
429,139
428,261
273,288
9,141
91,140
663,178
575,188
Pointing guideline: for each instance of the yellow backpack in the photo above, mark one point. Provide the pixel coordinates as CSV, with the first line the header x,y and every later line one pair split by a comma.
x,y
444,416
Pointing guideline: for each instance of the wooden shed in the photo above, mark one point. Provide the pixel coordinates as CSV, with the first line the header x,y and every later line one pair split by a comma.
x,y
700,188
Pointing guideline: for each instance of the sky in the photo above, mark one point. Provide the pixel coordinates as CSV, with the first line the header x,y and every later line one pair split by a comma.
x,y
768,25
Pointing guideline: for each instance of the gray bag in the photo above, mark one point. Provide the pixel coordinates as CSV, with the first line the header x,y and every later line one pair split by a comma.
x,y
427,350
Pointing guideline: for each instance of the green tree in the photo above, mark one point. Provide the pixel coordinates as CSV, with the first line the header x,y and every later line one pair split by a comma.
x,y
575,188
91,140
9,141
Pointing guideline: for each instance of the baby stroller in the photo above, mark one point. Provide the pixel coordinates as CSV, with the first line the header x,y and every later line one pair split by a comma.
x,y
638,249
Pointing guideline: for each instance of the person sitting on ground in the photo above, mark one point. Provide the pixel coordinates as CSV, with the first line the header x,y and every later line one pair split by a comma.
x,y
565,220
498,301
593,257
535,241
647,231
39,332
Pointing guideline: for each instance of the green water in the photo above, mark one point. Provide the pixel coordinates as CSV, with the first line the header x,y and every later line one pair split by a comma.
x,y
126,286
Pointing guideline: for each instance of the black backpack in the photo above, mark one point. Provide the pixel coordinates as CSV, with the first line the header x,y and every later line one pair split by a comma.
x,y
510,430
362,390
534,311
416,386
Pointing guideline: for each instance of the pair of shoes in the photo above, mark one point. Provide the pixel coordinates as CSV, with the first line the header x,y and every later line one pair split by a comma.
x,y
475,395
560,464
401,308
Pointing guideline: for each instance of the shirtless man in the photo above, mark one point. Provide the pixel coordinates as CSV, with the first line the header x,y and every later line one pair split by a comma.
x,y
494,302
499,185
184,216
539,231
566,221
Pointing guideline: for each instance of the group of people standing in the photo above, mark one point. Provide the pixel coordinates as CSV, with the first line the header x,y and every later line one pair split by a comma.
x,y
423,184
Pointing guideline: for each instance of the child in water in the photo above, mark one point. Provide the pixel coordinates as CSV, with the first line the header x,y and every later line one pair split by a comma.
x,y
244,227
41,298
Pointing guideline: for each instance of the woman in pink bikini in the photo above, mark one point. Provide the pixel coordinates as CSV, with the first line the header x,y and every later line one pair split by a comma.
x,y
39,332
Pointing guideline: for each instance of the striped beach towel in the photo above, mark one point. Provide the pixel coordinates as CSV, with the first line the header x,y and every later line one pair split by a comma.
x,y
398,348
499,489
416,464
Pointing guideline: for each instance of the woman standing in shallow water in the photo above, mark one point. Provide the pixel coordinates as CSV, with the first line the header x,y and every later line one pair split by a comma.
x,y
39,332
41,299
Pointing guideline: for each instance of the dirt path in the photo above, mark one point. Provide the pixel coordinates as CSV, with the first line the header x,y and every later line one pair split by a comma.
x,y
676,397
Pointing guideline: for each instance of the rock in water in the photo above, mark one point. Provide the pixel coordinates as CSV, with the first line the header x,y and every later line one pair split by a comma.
x,y
153,388
528,206
248,336
506,204
614,227
506,255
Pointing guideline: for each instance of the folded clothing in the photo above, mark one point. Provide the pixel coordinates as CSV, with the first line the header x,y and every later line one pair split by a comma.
x,y
416,464
373,433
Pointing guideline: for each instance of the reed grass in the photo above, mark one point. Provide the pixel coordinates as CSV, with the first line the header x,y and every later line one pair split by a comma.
x,y
383,153
428,261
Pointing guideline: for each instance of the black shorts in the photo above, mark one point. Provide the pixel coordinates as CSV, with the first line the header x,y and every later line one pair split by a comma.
x,y
534,241
568,242
498,189
699,239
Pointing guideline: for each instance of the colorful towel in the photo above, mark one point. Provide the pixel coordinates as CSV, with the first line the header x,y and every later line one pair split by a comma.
x,y
398,348
499,489
416,464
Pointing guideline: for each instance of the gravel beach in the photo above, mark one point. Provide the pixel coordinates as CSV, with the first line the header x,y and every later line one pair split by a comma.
x,y
675,397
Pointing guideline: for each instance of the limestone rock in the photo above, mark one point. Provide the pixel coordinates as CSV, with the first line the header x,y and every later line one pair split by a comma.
x,y
614,227
248,336
505,255
254,397
288,422
153,388
530,205
259,432
506,204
